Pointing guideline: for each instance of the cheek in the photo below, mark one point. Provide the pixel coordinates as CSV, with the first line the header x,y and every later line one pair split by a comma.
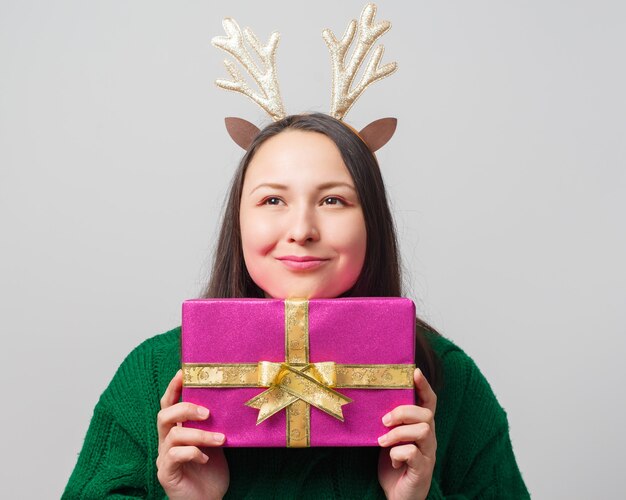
x,y
350,239
258,236
349,234
357,252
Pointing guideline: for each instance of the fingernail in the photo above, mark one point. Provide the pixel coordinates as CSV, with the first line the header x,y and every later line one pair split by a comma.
x,y
382,439
387,419
203,412
219,437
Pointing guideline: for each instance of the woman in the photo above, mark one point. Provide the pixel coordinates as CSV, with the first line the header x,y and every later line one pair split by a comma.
x,y
307,217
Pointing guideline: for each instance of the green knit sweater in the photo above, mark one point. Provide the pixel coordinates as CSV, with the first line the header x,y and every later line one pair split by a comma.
x,y
474,454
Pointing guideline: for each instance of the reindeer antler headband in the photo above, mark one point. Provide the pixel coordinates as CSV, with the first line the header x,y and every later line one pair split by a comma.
x,y
344,95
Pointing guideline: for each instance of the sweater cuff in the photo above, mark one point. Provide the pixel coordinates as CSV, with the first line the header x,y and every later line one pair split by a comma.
x,y
435,492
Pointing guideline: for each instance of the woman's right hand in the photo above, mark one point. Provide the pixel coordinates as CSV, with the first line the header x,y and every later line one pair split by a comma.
x,y
184,470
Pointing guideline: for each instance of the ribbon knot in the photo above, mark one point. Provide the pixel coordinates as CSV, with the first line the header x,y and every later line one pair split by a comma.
x,y
289,383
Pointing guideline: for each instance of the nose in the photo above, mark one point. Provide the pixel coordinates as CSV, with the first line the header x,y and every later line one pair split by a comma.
x,y
303,227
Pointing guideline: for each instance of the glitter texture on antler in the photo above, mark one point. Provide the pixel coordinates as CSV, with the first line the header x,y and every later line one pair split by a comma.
x,y
266,78
343,97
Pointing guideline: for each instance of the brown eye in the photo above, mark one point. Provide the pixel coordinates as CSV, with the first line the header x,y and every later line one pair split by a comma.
x,y
333,200
272,200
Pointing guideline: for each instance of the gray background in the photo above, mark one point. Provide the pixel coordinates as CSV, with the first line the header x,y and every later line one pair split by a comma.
x,y
506,174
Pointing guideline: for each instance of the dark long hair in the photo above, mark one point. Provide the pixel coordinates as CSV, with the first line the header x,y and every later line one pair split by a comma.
x,y
380,276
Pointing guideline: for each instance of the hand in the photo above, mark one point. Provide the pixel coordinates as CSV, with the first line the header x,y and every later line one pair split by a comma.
x,y
184,470
406,470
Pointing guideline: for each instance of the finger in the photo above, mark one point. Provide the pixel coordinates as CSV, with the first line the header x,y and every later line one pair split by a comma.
x,y
169,463
408,414
173,391
425,394
180,412
186,436
421,434
407,454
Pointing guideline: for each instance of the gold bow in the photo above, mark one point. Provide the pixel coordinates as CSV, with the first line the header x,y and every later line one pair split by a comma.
x,y
288,383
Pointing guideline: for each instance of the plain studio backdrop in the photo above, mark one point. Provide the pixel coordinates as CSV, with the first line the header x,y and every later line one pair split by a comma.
x,y
506,175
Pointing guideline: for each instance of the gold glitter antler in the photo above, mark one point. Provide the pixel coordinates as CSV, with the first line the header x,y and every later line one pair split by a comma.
x,y
343,75
265,78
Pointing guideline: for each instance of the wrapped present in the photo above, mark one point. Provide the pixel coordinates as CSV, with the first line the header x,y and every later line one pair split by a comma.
x,y
298,373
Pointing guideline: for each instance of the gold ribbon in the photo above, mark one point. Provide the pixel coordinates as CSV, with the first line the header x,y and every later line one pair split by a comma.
x,y
287,384
296,384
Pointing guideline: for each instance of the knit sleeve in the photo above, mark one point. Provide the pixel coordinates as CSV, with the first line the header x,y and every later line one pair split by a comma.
x,y
475,458
111,463
118,457
494,475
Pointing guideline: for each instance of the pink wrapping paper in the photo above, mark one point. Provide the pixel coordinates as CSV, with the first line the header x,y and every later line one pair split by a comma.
x,y
346,330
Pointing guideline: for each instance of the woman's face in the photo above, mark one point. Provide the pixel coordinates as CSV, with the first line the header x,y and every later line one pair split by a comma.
x,y
302,226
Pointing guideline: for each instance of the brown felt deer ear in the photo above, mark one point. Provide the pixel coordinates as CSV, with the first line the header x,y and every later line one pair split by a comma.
x,y
378,133
241,131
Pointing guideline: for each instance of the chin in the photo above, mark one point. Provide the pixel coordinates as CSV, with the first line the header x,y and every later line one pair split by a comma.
x,y
300,294
295,290
315,294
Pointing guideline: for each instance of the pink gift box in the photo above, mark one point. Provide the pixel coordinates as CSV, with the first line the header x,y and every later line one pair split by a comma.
x,y
348,331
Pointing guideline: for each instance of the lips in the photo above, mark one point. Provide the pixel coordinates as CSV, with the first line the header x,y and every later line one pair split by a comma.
x,y
302,263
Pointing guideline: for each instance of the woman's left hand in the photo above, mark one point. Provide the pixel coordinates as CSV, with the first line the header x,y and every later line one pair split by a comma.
x,y
405,471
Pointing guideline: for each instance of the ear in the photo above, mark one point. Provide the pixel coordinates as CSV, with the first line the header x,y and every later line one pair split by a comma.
x,y
378,133
241,131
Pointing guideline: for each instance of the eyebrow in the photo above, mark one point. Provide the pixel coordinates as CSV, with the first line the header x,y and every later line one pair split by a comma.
x,y
320,187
